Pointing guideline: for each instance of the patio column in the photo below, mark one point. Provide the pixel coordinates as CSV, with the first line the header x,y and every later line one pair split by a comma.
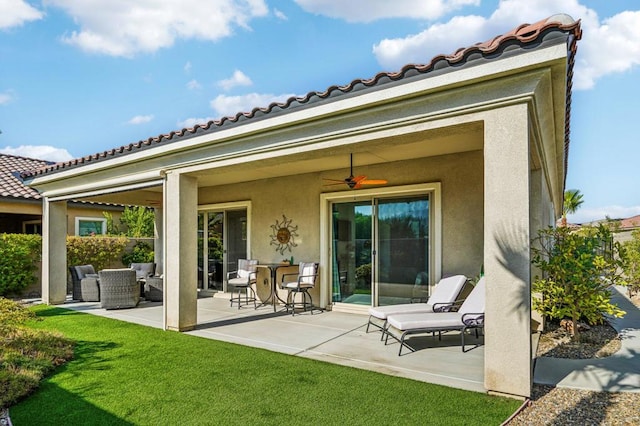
x,y
508,361
54,252
180,236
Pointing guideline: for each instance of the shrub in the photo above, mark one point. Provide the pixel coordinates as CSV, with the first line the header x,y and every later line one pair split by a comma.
x,y
138,220
95,250
363,276
141,252
632,269
26,355
18,256
578,267
12,314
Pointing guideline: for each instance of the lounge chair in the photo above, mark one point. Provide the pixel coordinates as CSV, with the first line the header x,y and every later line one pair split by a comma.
x,y
469,316
443,297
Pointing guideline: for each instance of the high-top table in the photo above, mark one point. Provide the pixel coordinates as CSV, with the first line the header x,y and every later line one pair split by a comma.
x,y
273,291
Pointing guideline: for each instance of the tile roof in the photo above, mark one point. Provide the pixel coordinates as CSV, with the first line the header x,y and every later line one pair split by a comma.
x,y
523,36
11,167
630,222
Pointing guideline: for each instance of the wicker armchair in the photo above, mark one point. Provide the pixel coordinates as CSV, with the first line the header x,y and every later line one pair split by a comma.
x,y
143,270
85,283
118,288
153,289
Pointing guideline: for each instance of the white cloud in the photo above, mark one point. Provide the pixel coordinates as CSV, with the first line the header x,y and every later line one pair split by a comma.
x,y
231,105
187,67
611,45
146,26
140,119
39,152
607,48
5,98
14,13
191,122
237,79
589,214
194,85
371,10
280,15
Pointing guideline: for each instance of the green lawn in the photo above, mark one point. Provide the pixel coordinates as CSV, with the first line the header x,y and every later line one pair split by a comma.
x,y
125,374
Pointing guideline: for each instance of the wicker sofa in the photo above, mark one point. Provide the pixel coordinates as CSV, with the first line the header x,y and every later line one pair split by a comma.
x,y
118,288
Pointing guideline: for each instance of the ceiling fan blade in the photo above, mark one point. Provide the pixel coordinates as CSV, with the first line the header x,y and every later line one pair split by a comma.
x,y
355,182
373,182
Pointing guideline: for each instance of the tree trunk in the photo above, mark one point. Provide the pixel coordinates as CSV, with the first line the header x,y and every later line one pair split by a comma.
x,y
575,333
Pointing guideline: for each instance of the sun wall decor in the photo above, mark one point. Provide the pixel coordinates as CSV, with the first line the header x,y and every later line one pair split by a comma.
x,y
283,235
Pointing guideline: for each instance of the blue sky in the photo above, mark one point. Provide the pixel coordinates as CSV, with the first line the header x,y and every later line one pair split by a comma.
x,y
79,77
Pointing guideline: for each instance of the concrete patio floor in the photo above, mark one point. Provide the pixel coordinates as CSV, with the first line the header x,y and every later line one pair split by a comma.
x,y
334,337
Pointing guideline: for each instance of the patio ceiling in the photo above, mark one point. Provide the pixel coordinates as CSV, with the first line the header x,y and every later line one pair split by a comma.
x,y
329,162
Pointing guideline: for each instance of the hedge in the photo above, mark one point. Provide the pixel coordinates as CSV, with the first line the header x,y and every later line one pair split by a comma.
x,y
19,254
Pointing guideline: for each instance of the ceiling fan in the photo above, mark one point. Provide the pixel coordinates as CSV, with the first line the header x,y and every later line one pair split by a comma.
x,y
355,182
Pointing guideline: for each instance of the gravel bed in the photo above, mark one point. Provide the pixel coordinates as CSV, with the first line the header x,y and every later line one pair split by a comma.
x,y
560,406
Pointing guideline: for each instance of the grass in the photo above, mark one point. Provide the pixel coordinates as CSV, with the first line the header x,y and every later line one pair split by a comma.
x,y
124,374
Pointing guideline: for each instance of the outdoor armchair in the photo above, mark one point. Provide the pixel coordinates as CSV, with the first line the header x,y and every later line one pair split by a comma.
x,y
85,283
444,296
305,281
242,279
143,270
469,316
153,289
118,288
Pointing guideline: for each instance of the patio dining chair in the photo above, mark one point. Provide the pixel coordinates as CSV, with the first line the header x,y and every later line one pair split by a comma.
x,y
444,298
470,316
305,281
242,279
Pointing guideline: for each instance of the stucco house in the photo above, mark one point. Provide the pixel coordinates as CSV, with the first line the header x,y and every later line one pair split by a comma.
x,y
21,206
473,147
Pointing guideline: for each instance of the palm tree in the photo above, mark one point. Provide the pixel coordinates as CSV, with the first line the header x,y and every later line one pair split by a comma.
x,y
572,202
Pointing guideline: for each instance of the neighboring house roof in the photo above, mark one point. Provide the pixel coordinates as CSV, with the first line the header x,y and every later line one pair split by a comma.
x,y
11,167
523,37
630,223
11,186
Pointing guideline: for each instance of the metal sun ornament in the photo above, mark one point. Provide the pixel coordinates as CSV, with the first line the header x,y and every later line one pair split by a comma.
x,y
283,235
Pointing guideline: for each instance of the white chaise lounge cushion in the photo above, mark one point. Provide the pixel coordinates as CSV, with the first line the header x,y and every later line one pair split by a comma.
x,y
446,291
424,320
474,304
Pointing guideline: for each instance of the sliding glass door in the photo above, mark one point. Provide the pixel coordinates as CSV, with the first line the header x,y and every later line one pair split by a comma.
x,y
222,240
402,250
380,250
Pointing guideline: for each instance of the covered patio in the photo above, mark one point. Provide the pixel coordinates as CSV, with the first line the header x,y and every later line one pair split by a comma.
x,y
472,149
334,337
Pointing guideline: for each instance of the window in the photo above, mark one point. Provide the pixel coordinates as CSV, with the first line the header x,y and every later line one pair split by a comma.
x,y
32,227
90,226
